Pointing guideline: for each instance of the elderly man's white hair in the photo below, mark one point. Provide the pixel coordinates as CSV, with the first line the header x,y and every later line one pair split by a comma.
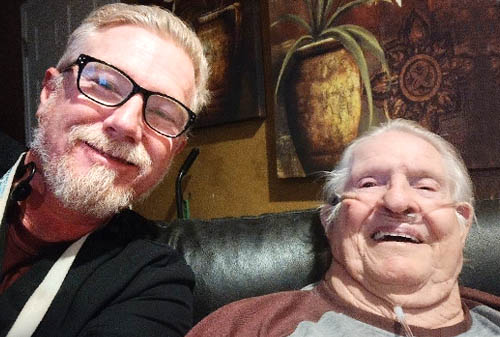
x,y
461,188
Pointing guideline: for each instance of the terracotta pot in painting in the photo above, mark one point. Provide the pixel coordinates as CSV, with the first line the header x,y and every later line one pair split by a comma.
x,y
323,103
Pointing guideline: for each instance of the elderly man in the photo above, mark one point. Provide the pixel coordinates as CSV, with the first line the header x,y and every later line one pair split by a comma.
x,y
400,204
112,115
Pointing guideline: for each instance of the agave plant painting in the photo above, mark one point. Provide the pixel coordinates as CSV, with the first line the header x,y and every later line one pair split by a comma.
x,y
320,68
322,24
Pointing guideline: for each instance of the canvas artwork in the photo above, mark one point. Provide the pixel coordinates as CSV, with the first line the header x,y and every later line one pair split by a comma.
x,y
231,35
443,61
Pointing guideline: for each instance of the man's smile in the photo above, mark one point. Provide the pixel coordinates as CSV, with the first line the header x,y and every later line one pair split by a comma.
x,y
394,236
107,159
108,155
392,230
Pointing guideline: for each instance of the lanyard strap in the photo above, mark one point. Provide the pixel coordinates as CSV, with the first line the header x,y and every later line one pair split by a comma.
x,y
39,302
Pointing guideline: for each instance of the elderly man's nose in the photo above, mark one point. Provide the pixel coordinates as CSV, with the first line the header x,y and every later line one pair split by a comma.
x,y
125,122
398,198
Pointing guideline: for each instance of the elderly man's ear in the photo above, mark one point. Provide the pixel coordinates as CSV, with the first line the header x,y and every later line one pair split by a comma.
x,y
466,211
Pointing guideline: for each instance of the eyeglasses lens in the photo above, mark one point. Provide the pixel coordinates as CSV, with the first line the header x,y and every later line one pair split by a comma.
x,y
108,86
165,115
104,84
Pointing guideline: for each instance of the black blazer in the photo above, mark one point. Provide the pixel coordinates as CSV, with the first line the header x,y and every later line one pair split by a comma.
x,y
119,285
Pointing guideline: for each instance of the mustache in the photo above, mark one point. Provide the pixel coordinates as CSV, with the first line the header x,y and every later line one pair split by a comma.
x,y
92,134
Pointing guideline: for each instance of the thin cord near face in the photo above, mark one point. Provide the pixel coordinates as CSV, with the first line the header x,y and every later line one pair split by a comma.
x,y
398,310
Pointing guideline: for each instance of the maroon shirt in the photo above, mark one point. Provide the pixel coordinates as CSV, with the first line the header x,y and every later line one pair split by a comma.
x,y
22,250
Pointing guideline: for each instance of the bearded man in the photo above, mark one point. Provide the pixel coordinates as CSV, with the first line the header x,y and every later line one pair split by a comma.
x,y
112,116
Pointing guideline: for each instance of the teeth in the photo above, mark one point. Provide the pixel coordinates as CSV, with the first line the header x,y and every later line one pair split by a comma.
x,y
387,236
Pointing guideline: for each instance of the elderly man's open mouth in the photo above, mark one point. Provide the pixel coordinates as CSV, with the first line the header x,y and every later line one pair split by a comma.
x,y
395,237
397,228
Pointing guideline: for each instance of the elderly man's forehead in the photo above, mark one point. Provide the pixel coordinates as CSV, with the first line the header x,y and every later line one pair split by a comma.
x,y
402,136
404,149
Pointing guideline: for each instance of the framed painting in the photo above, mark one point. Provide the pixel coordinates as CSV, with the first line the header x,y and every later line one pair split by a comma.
x,y
320,72
444,66
231,36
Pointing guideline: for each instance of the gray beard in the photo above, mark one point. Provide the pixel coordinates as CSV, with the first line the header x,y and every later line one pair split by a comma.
x,y
93,193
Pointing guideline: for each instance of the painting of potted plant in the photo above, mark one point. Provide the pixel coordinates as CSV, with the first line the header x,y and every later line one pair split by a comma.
x,y
321,78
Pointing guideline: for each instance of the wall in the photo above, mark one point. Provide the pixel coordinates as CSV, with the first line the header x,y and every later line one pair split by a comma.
x,y
234,175
11,80
235,172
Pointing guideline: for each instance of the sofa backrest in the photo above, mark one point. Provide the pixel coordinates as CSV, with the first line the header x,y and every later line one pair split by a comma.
x,y
235,258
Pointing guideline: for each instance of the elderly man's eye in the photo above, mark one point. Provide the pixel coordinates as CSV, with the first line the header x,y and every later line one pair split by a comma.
x,y
367,184
427,188
428,185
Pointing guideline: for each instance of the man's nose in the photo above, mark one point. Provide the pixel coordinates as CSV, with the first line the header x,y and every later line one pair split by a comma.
x,y
125,122
399,198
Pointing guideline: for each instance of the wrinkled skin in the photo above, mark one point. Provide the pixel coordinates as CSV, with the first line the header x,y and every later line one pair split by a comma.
x,y
397,239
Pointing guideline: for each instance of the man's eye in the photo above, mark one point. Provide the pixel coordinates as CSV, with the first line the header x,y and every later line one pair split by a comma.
x,y
427,188
368,184
160,114
428,185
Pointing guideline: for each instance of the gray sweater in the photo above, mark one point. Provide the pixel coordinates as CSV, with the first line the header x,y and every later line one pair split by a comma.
x,y
320,312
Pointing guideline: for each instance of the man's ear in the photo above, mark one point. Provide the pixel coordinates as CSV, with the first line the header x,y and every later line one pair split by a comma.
x,y
48,85
466,211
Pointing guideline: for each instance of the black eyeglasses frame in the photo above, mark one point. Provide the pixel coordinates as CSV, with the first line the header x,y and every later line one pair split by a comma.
x,y
84,59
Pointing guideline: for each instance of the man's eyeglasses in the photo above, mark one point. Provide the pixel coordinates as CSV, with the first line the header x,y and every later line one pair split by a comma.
x,y
107,85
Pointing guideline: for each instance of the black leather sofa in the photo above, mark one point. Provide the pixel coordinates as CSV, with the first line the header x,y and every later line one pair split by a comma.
x,y
235,258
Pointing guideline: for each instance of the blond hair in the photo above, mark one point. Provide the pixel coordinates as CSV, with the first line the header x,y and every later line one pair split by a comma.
x,y
153,18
